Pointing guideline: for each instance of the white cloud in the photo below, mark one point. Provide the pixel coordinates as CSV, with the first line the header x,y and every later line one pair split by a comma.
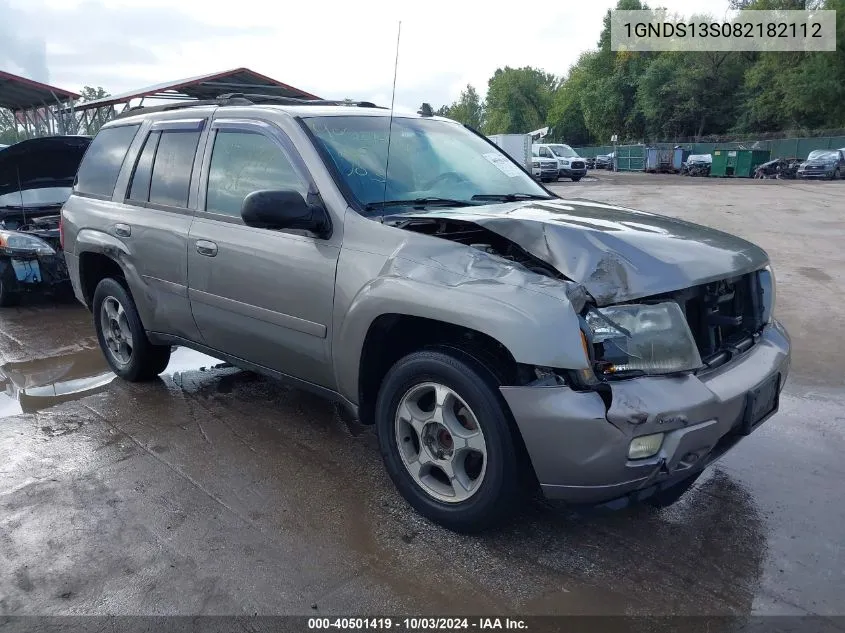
x,y
332,48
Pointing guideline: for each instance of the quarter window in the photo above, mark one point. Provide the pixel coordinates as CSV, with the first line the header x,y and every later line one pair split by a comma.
x,y
139,190
102,162
243,162
174,160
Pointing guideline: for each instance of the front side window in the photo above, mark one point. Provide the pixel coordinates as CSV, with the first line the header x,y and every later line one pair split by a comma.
x,y
102,162
429,158
243,162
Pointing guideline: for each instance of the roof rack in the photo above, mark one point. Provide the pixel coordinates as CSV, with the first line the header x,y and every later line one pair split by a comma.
x,y
263,98
240,99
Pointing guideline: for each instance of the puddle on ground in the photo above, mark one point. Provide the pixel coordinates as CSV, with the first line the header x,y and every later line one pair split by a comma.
x,y
29,386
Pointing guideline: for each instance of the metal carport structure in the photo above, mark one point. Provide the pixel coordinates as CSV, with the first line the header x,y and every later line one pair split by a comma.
x,y
90,115
32,108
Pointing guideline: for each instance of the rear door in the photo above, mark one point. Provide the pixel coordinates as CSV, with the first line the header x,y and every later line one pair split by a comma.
x,y
155,218
261,295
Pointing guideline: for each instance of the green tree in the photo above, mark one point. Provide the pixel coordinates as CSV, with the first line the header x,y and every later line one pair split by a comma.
x,y
89,93
566,115
518,100
686,94
796,90
468,109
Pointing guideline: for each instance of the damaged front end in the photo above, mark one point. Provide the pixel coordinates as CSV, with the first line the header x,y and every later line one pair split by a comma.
x,y
684,357
31,259
36,177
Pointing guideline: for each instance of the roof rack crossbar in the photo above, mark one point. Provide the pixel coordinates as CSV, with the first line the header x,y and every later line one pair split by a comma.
x,y
264,98
240,99
180,105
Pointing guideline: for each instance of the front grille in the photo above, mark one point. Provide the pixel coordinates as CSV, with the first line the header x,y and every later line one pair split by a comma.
x,y
723,316
577,164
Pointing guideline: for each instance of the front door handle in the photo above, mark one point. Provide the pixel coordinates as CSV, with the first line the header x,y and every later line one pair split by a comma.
x,y
122,230
204,247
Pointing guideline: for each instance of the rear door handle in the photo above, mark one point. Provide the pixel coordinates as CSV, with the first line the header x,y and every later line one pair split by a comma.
x,y
204,247
122,230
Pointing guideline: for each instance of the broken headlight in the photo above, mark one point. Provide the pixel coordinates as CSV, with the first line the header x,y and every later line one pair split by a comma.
x,y
13,241
642,339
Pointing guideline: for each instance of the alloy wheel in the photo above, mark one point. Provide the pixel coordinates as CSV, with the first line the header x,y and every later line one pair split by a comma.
x,y
116,330
440,442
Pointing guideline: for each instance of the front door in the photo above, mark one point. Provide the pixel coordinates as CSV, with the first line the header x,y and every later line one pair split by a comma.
x,y
261,295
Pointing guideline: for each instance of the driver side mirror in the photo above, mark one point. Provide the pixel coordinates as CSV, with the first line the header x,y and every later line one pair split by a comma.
x,y
284,209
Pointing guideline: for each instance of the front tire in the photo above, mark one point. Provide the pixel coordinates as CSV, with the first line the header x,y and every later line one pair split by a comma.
x,y
576,178
122,338
446,441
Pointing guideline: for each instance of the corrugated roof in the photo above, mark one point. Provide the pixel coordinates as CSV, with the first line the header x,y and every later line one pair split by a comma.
x,y
206,87
20,93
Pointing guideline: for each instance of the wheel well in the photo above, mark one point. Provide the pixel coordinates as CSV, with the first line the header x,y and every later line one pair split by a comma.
x,y
93,268
393,336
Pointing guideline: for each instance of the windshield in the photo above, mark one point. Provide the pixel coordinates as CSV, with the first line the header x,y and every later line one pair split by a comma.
x,y
564,151
429,159
822,154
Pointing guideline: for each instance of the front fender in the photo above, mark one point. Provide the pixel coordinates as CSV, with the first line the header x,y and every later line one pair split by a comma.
x,y
533,316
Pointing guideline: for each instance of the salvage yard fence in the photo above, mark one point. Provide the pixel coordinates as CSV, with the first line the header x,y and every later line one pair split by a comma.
x,y
632,157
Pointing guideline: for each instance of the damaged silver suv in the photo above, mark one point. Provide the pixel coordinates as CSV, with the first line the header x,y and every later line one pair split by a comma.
x,y
495,335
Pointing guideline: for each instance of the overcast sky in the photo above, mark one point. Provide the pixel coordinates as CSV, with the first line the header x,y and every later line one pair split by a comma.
x,y
331,48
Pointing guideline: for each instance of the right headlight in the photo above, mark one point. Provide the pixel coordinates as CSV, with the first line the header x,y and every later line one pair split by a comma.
x,y
642,339
535,163
768,291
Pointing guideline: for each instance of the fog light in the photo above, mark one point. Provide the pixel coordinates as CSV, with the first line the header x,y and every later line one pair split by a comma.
x,y
645,446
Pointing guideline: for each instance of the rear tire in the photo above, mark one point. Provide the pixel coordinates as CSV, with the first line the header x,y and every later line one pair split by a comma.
x,y
121,334
446,440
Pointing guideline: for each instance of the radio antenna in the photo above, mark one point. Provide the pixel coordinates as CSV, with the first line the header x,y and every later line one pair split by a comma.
x,y
390,124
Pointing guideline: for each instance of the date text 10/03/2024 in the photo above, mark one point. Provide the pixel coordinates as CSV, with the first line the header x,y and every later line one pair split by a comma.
x,y
418,624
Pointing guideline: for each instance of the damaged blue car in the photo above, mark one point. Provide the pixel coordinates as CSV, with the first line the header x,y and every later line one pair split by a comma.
x,y
36,177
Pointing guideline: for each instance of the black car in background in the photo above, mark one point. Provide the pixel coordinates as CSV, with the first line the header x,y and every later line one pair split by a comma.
x,y
823,163
36,177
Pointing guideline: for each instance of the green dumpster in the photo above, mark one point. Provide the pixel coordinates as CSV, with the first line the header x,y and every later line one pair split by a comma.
x,y
737,162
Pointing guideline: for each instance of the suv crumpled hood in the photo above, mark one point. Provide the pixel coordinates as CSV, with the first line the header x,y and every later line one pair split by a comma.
x,y
617,254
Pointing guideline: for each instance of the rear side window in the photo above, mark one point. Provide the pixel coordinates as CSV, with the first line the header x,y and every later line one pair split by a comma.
x,y
102,162
139,190
174,161
243,162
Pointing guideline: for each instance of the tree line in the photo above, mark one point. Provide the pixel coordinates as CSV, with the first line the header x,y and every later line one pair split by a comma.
x,y
668,95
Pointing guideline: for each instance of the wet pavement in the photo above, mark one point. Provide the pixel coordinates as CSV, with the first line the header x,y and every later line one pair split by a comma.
x,y
216,491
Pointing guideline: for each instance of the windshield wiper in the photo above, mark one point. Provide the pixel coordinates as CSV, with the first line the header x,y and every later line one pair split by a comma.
x,y
509,197
417,203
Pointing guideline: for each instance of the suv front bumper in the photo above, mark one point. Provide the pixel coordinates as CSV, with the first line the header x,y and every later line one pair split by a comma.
x,y
569,172
579,447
